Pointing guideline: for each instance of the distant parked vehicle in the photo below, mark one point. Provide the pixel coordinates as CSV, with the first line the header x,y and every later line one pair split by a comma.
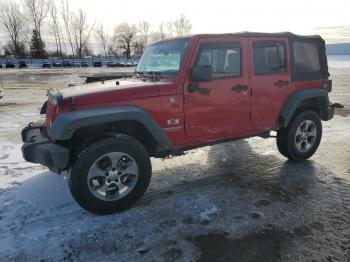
x,y
111,64
1,93
10,64
56,64
66,63
122,64
97,64
76,64
129,64
46,64
84,64
22,64
135,63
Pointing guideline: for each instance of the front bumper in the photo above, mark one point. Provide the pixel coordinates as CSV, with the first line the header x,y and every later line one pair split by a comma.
x,y
37,148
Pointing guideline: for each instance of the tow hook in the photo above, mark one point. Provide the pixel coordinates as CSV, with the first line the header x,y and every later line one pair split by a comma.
x,y
336,105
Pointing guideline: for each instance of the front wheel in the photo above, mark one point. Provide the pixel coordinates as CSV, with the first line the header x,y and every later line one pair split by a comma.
x,y
110,175
300,140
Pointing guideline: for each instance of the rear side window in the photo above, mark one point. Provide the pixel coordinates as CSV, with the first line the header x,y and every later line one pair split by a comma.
x,y
225,58
306,57
269,57
309,61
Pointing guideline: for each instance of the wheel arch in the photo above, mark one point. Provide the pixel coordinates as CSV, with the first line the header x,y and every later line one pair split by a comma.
x,y
315,99
129,120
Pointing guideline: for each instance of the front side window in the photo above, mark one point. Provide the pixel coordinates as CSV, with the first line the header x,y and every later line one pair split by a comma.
x,y
224,58
269,57
164,57
306,57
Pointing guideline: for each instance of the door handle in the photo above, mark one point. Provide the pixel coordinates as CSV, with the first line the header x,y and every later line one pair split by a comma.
x,y
239,88
281,83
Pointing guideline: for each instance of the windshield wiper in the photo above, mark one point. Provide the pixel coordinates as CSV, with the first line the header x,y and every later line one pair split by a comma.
x,y
154,74
140,74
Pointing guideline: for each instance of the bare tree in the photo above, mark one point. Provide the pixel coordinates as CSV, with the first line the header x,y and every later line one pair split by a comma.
x,y
160,34
125,36
114,50
66,17
13,20
138,49
170,28
37,11
102,36
81,31
144,27
55,27
27,34
182,26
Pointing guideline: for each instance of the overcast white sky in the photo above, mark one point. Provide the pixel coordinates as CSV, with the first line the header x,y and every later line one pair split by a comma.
x,y
299,16
331,19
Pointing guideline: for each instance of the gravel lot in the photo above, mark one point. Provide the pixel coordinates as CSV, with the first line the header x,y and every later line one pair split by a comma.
x,y
237,201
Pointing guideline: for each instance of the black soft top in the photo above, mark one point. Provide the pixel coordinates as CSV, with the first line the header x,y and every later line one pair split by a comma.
x,y
252,34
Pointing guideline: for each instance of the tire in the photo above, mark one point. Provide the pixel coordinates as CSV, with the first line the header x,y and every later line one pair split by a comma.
x,y
281,141
300,140
110,175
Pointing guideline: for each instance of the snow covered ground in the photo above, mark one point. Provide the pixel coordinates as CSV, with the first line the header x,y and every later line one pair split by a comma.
x,y
238,201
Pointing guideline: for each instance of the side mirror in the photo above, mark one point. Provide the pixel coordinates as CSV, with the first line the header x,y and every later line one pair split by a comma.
x,y
202,73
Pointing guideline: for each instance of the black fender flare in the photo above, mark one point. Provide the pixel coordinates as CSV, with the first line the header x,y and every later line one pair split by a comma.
x,y
298,98
67,123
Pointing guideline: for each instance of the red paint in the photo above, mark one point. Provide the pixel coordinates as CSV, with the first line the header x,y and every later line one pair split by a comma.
x,y
269,98
223,114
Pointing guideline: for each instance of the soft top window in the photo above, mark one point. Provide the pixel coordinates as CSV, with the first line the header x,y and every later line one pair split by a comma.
x,y
306,57
309,59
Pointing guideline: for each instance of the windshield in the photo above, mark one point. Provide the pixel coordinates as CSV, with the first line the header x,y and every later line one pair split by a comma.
x,y
164,57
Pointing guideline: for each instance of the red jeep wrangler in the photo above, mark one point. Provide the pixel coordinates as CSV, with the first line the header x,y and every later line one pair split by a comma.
x,y
186,93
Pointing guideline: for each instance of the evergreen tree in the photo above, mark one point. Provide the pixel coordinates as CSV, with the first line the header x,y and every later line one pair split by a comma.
x,y
37,46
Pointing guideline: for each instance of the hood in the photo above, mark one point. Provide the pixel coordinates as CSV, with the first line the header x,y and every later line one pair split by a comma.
x,y
110,91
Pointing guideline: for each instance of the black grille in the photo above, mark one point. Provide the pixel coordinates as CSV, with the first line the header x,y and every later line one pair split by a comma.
x,y
43,131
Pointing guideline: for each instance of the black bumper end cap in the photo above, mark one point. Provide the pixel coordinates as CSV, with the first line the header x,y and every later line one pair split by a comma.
x,y
46,153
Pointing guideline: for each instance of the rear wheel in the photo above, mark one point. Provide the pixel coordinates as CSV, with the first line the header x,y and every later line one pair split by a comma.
x,y
300,140
110,175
